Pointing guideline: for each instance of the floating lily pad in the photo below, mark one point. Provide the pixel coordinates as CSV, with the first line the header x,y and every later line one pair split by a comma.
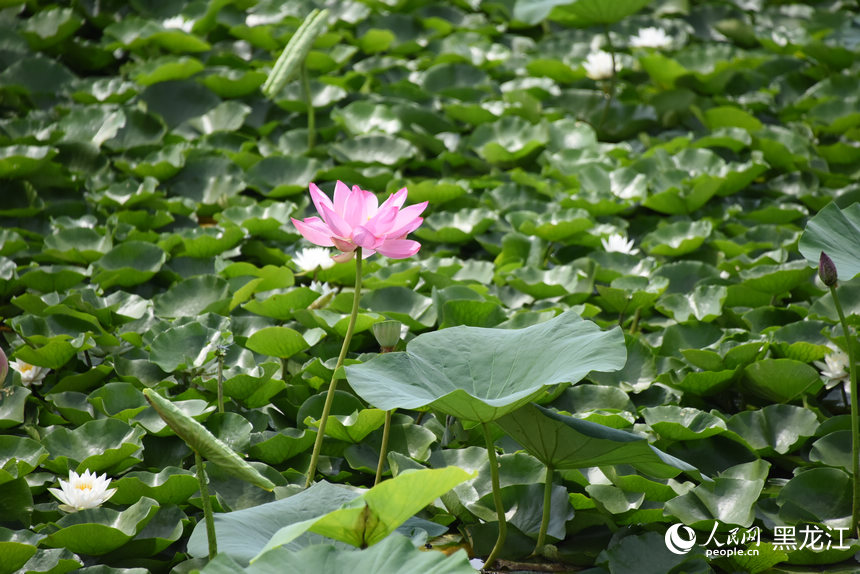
x,y
20,457
677,238
16,548
775,428
782,380
98,445
12,407
128,264
281,342
169,486
97,531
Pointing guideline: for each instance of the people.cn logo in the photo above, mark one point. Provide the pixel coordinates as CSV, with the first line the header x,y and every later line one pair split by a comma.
x,y
678,543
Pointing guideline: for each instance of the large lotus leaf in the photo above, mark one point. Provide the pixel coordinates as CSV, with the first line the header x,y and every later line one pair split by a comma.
x,y
378,512
394,555
586,12
492,372
837,233
243,533
97,531
568,442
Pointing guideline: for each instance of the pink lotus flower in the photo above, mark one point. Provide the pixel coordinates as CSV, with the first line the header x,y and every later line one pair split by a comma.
x,y
356,219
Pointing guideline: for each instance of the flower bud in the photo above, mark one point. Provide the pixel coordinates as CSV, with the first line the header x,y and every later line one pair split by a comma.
x,y
387,334
4,367
827,270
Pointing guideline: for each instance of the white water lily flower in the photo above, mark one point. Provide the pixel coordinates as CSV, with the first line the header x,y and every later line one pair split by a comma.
x,y
83,491
651,37
311,258
619,244
598,65
835,367
476,563
30,374
322,288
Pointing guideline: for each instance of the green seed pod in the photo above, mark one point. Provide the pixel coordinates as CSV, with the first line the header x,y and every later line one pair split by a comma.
x,y
204,442
295,52
387,333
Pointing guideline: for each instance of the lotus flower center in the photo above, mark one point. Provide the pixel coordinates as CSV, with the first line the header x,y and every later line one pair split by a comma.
x,y
26,368
84,486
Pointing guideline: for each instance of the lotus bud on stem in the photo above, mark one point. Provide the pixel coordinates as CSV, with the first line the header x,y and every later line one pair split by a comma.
x,y
829,276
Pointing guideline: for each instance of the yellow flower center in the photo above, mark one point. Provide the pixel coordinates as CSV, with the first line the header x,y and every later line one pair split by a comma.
x,y
84,486
26,368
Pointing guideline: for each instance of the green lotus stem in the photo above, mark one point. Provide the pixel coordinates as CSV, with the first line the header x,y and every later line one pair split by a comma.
x,y
207,506
306,91
333,386
383,450
634,326
611,93
220,382
547,504
497,498
855,415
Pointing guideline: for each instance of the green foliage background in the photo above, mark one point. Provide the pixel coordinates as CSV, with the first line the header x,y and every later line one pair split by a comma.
x,y
146,187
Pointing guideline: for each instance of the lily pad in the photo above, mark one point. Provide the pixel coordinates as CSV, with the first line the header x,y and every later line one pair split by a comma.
x,y
97,531
98,445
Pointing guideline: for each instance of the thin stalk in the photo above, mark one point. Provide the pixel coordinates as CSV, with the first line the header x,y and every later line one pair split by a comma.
x,y
612,79
497,498
855,415
220,382
309,103
386,431
547,504
207,506
333,386
634,326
